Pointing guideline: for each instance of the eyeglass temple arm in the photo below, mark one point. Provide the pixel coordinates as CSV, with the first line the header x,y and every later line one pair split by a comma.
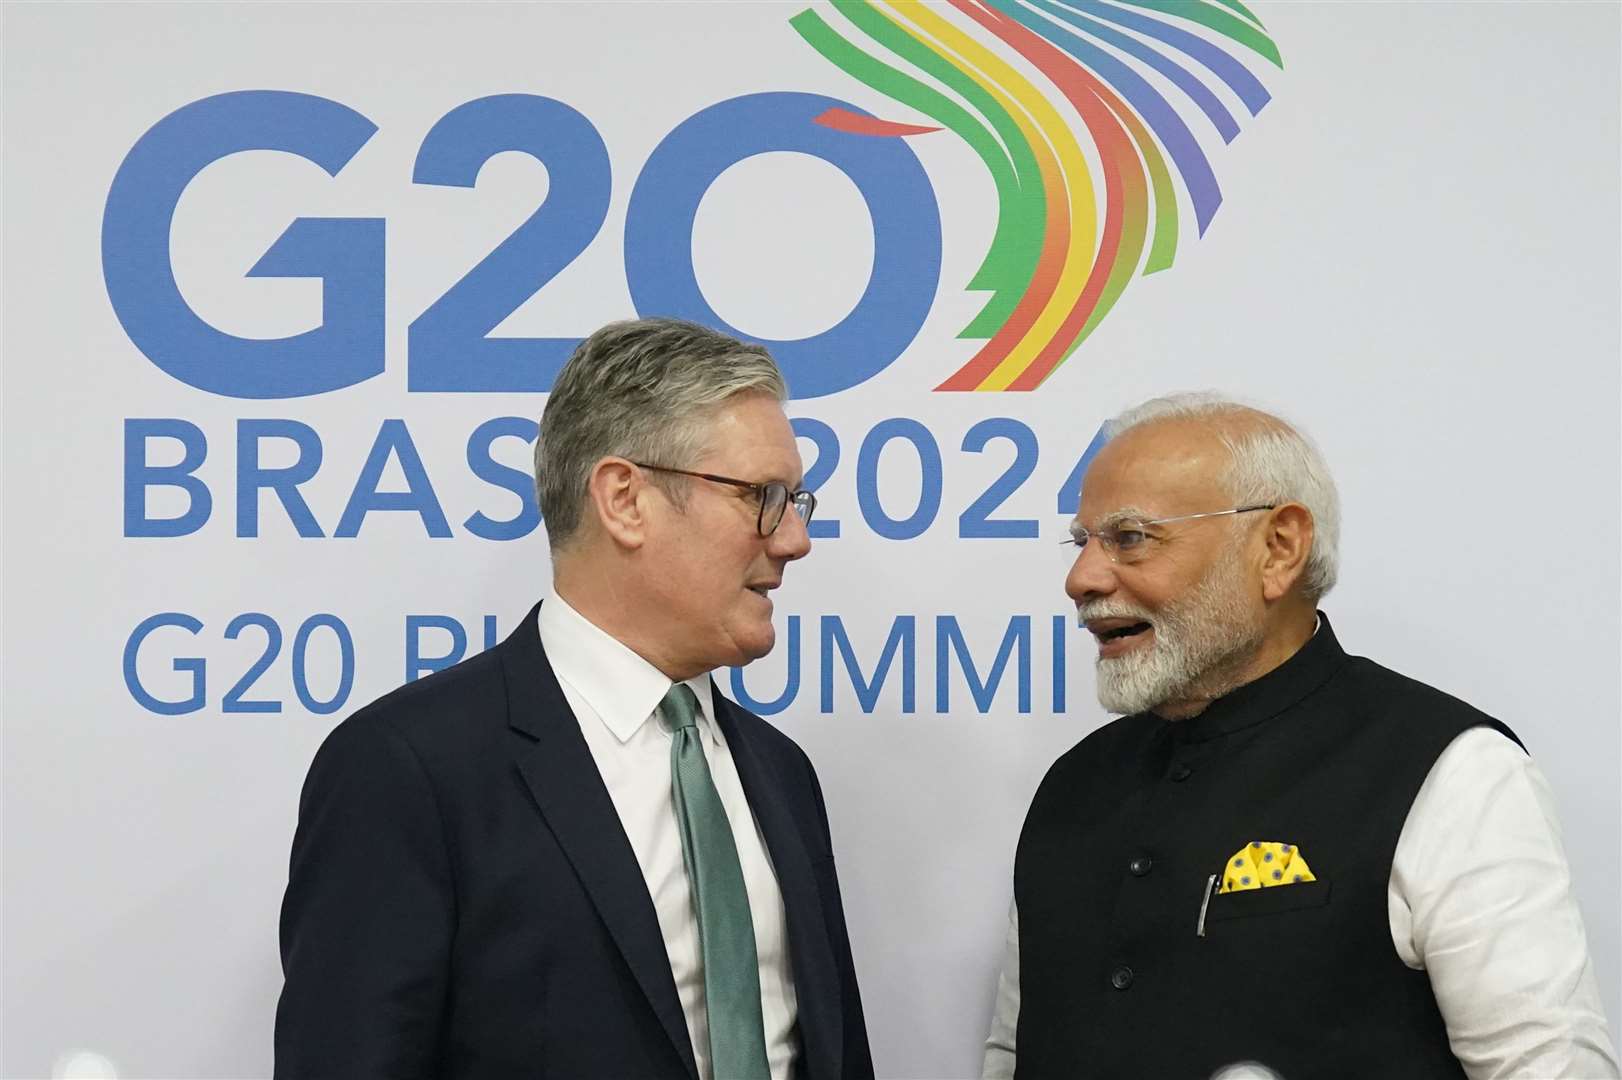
x,y
1185,517
1210,513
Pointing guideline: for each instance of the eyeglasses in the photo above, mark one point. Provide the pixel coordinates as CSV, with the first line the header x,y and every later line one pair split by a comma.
x,y
1128,541
774,496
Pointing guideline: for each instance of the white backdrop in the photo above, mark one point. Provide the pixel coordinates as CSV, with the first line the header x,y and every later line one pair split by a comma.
x,y
1416,257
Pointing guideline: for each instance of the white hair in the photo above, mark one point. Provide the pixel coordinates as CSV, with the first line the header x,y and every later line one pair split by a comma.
x,y
1270,462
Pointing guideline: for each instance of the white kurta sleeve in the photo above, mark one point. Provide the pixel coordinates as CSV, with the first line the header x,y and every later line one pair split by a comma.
x,y
999,1059
1480,898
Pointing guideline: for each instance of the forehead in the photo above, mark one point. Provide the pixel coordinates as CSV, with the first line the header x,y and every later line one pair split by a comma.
x,y
1162,468
751,435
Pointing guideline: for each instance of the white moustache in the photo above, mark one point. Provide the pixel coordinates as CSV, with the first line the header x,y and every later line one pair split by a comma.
x,y
1107,609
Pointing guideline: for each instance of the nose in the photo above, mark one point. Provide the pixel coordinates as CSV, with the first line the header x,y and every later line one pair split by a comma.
x,y
791,539
1092,574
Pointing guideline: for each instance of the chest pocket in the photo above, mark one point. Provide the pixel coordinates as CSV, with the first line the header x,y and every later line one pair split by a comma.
x,y
1274,901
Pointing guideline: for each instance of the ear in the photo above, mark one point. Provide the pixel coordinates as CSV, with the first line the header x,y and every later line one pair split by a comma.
x,y
1288,542
614,498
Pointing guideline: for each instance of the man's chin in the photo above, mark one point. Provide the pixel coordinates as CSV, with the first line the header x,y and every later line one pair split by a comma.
x,y
1125,688
761,652
754,645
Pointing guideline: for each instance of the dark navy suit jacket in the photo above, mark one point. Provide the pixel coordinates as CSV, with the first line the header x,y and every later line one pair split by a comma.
x,y
463,902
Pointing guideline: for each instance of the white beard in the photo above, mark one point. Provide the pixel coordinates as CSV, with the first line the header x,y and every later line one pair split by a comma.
x,y
1196,638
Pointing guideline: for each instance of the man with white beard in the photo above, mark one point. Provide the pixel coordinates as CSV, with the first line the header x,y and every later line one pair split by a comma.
x,y
1281,857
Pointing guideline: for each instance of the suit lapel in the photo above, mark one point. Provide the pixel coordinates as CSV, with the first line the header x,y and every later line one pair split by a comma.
x,y
563,779
816,983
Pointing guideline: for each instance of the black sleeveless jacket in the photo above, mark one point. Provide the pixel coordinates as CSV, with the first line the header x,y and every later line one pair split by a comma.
x,y
1326,752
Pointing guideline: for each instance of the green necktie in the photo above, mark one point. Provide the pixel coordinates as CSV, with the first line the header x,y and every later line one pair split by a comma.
x,y
726,934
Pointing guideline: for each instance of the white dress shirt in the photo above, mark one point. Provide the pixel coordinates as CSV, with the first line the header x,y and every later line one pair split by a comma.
x,y
614,694
1480,898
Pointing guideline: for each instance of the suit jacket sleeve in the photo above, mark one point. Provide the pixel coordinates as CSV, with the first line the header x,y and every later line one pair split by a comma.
x,y
858,1055
367,919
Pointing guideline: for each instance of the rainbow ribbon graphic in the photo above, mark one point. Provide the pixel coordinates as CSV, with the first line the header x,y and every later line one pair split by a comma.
x,y
1053,270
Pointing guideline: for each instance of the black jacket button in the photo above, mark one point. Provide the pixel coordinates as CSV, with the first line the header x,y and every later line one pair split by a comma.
x,y
1140,865
1181,772
1121,977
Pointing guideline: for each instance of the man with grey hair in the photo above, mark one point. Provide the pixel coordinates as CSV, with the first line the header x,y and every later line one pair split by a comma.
x,y
570,856
1280,855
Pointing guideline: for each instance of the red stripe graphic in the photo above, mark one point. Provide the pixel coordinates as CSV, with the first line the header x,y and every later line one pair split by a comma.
x,y
857,124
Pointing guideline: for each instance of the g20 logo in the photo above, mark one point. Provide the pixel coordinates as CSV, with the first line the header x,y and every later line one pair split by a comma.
x,y
1063,251
449,348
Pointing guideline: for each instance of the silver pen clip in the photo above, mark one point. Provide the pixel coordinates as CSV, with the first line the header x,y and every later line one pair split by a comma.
x,y
1205,902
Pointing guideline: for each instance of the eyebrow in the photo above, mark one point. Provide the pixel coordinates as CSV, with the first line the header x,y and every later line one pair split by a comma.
x,y
1114,517
790,484
782,478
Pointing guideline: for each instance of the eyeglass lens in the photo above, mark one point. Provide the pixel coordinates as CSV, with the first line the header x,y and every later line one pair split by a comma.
x,y
773,498
1124,543
774,502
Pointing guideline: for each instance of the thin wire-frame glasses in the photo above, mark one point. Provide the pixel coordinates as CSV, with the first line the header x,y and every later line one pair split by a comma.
x,y
773,495
1128,542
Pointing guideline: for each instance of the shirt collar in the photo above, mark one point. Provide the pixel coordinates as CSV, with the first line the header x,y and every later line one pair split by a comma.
x,y
620,686
1305,671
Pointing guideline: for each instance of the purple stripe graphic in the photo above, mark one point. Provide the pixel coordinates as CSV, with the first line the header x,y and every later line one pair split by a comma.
x,y
1223,66
1156,111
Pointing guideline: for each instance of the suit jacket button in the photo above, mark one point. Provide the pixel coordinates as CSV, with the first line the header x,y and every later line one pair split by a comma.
x,y
1181,772
1140,865
1121,977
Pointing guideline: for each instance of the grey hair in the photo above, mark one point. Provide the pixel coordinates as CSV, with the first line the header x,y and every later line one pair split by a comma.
x,y
642,389
1271,462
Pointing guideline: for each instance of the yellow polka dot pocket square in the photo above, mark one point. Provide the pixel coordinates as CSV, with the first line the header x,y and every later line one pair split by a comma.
x,y
1262,864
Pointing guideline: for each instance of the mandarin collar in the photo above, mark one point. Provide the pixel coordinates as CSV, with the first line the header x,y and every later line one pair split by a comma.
x,y
1280,689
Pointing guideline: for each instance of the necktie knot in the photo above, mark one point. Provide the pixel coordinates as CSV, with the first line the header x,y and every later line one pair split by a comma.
x,y
679,707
